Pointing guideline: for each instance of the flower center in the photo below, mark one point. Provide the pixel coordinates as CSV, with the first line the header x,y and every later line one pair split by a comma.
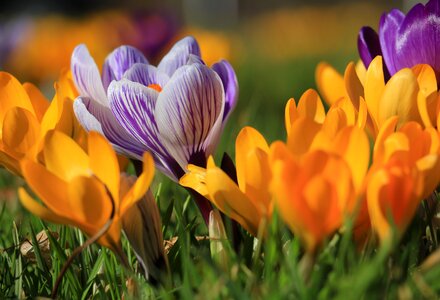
x,y
155,86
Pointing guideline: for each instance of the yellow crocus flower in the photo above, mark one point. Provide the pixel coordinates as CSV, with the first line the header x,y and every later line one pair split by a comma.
x,y
26,116
83,189
247,201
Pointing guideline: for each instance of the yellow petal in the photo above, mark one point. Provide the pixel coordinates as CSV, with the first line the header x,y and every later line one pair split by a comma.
x,y
104,163
21,132
310,105
385,131
48,187
361,71
399,98
12,94
195,178
90,201
330,83
353,145
302,134
10,161
64,157
353,86
140,187
426,79
228,198
40,211
374,87
290,114
39,102
247,139
427,108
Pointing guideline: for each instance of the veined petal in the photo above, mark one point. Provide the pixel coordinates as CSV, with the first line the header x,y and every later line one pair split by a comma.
x,y
119,61
86,75
146,74
133,106
179,55
96,117
230,85
64,157
189,113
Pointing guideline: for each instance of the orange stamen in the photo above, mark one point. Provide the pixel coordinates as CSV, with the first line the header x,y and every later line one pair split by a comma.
x,y
155,86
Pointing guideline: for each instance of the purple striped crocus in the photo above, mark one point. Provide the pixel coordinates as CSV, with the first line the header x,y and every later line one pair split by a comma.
x,y
404,40
176,110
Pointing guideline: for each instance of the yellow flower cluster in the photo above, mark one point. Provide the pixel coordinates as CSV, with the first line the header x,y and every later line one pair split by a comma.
x,y
373,156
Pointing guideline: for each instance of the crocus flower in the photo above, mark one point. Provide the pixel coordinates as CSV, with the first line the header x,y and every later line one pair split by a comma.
x,y
26,116
394,192
248,200
176,110
313,194
83,189
410,94
404,40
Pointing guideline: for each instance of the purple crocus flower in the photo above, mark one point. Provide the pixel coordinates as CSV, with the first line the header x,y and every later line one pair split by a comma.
x,y
176,110
404,41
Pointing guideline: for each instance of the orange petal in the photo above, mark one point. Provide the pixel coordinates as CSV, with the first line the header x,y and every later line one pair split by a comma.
x,y
64,157
39,102
330,83
104,163
374,87
353,86
310,105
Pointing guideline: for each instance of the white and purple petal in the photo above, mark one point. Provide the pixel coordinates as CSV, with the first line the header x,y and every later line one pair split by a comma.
x,y
230,86
189,110
96,117
86,75
179,55
146,74
119,61
133,106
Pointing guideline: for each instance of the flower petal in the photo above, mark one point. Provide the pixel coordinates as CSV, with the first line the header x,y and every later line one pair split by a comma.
x,y
39,102
146,74
95,117
368,45
179,55
64,157
86,75
189,113
119,61
230,85
330,83
103,163
132,105
388,27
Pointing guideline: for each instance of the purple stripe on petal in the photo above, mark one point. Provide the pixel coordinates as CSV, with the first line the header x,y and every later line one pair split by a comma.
x,y
418,38
146,74
96,117
388,27
230,85
86,75
119,61
194,59
179,55
133,106
187,110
